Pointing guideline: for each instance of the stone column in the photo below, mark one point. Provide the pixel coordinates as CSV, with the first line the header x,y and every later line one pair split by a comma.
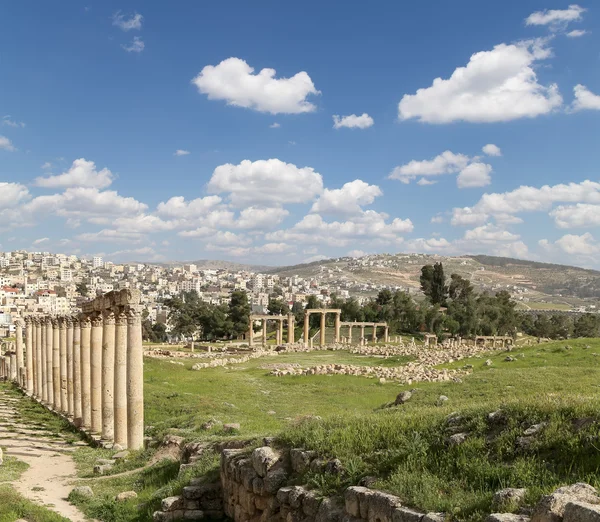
x,y
306,328
108,376
96,374
44,393
13,366
374,333
135,381
290,328
29,355
38,357
49,376
70,368
337,327
120,435
362,334
56,364
264,333
76,372
62,330
86,405
250,332
19,343
322,332
386,335
350,334
280,331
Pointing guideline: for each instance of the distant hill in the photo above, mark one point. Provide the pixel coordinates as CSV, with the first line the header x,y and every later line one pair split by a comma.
x,y
215,264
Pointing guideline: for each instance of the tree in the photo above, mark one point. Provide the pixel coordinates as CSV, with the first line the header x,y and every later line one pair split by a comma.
x,y
239,312
433,283
82,289
277,307
587,325
311,303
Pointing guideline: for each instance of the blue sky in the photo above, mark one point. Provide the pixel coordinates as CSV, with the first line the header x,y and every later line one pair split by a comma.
x,y
96,99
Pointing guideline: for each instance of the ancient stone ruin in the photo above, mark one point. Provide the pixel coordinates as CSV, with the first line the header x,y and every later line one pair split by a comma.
x,y
86,367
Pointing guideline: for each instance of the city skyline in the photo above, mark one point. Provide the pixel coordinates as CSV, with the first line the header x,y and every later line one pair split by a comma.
x,y
262,135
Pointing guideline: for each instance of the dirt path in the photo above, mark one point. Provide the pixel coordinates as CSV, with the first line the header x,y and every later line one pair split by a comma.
x,y
51,467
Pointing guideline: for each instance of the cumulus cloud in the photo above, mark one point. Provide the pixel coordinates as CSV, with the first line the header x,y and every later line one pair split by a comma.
x,y
233,81
274,125
260,217
265,182
581,215
490,234
181,152
127,24
12,123
347,200
364,121
41,240
474,175
496,85
576,33
585,99
178,207
6,144
12,194
582,245
556,17
503,206
491,150
82,173
137,45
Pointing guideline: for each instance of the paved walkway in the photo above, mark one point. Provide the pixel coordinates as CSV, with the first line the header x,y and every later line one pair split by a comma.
x,y
51,467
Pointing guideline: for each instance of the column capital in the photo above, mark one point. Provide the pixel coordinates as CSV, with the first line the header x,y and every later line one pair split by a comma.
x,y
62,325
19,322
134,315
68,321
28,320
97,320
85,321
108,317
54,321
121,318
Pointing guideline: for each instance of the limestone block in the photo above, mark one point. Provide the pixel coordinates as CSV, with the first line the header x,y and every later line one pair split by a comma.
x,y
191,505
193,515
283,494
261,503
551,507
329,511
102,469
310,504
247,474
296,496
581,512
258,486
172,503
125,495
434,517
351,500
274,480
211,504
382,506
508,498
161,516
404,514
301,459
506,517
263,459
84,491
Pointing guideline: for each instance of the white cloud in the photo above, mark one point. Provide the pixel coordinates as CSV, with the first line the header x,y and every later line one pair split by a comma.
x,y
347,200
127,24
232,80
576,33
82,173
110,236
274,125
181,152
265,182
136,46
12,123
581,215
178,207
445,163
427,245
437,219
261,218
364,121
6,144
273,248
47,165
41,240
490,234
491,150
555,17
357,253
12,194
578,245
496,85
474,175
526,199
585,99
424,182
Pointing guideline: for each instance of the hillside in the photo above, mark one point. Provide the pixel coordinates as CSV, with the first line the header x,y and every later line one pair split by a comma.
x,y
565,286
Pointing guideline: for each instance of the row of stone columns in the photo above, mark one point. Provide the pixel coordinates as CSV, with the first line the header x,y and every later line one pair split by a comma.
x,y
279,334
89,367
323,313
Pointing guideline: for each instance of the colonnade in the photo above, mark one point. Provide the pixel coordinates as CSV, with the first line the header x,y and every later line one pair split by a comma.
x,y
503,340
88,367
323,312
263,318
362,325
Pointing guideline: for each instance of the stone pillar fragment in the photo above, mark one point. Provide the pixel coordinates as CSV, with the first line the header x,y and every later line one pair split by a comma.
x,y
264,333
306,328
76,372
350,334
120,435
280,332
38,357
322,332
29,355
135,381
70,368
290,328
48,369
44,393
13,366
337,327
56,364
374,333
251,333
62,330
96,374
362,334
19,343
86,405
108,376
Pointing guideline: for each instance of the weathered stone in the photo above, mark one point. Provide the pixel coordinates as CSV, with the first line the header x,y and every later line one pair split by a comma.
x,y
551,507
120,455
263,459
195,514
84,491
232,427
381,506
442,399
508,499
403,397
352,501
404,514
535,429
434,517
191,504
457,438
161,516
102,469
125,495
301,459
581,512
329,511
283,494
172,503
506,517
274,480
334,466
310,504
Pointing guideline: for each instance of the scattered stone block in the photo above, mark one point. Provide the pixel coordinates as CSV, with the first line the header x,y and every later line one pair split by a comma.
x,y
581,512
403,397
231,427
506,517
508,499
84,491
263,459
125,495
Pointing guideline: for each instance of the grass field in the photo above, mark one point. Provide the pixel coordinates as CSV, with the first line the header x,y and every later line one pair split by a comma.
x,y
406,447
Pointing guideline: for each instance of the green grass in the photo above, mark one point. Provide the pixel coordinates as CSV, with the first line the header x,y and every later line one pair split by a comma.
x,y
11,469
13,506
